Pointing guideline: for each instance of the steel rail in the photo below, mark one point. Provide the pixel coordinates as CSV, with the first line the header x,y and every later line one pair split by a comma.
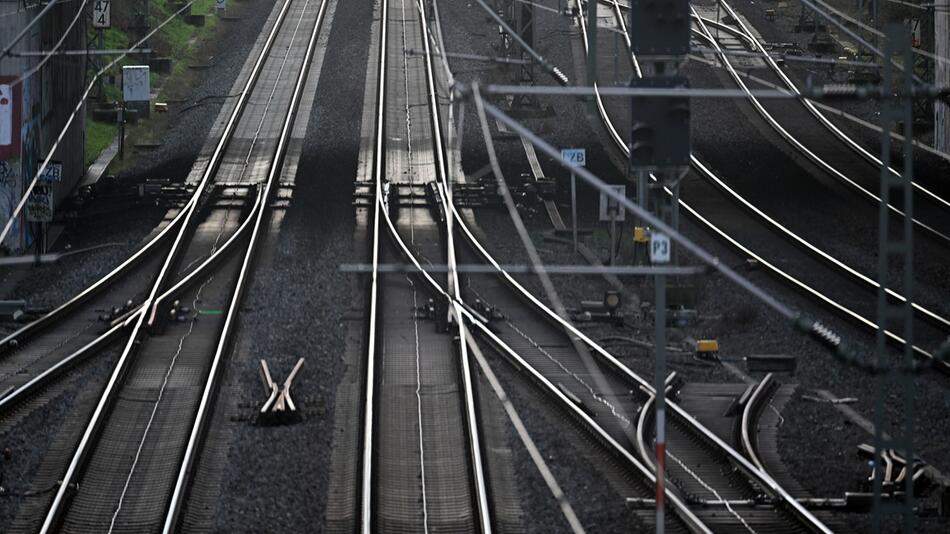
x,y
922,312
750,421
16,339
798,145
18,395
643,421
763,478
207,397
521,363
747,35
777,271
95,422
445,192
867,323
703,432
217,256
379,170
480,504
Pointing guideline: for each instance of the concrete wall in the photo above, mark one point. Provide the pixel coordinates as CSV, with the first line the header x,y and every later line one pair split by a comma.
x,y
942,73
43,103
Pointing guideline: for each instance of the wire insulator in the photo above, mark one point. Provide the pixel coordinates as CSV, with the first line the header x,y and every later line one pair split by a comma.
x,y
825,335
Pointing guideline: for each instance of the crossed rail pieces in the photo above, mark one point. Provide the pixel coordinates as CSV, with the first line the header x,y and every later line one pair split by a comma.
x,y
279,402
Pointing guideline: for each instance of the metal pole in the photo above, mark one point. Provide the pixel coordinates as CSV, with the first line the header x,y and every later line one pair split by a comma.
x,y
616,59
941,16
895,247
643,184
659,385
592,50
613,236
37,243
98,64
574,209
121,120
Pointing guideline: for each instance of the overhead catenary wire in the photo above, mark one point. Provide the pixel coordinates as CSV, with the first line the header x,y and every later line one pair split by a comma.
x,y
826,108
26,29
878,33
72,116
53,51
21,8
548,67
862,41
818,331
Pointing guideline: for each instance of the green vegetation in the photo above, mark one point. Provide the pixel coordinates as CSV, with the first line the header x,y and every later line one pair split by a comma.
x,y
99,135
178,40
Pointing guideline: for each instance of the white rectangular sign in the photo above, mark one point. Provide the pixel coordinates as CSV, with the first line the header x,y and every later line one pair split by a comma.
x,y
610,209
220,4
53,173
40,206
659,248
6,114
135,83
102,14
577,157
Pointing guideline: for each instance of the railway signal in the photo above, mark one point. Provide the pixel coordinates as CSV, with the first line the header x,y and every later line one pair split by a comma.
x,y
660,149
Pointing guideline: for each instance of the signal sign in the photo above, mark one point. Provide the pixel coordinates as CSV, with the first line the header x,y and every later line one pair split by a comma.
x,y
577,157
102,14
659,248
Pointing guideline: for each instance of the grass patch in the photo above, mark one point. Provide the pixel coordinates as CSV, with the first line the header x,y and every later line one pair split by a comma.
x,y
99,135
177,39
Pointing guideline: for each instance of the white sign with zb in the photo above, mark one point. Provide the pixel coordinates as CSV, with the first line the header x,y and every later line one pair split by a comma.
x,y
659,248
577,157
220,4
102,14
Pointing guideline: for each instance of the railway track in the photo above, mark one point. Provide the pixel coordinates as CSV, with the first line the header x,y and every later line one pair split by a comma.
x,y
811,280
129,471
421,450
938,206
538,321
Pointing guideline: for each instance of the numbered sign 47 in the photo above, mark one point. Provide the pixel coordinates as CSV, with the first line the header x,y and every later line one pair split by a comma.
x,y
659,248
102,14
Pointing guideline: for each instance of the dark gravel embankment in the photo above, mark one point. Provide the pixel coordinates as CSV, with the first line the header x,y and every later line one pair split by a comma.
x,y
275,478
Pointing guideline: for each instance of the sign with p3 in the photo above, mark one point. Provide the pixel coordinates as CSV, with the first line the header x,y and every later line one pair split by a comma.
x,y
577,157
102,14
220,5
659,248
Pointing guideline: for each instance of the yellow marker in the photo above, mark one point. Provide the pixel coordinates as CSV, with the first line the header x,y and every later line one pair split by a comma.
x,y
707,346
640,235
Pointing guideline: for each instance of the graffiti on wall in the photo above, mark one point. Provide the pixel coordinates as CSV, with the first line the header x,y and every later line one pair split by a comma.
x,y
11,113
